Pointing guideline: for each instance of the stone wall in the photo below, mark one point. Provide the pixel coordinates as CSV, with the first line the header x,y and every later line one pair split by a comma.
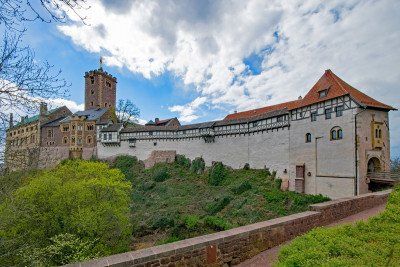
x,y
236,245
160,156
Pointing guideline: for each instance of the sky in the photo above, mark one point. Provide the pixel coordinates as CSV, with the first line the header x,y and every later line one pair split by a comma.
x,y
200,60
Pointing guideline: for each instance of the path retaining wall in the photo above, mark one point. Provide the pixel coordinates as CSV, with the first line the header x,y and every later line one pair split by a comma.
x,y
236,245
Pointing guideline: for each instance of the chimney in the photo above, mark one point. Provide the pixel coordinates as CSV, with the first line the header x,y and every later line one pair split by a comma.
x,y
300,98
11,120
157,120
43,109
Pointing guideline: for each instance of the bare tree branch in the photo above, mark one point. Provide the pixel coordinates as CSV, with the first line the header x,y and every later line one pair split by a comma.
x,y
127,112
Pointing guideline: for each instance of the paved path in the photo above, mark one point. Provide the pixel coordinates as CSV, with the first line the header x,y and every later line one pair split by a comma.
x,y
268,257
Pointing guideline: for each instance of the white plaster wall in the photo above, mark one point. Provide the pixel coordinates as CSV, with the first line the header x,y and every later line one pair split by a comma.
x,y
323,157
269,149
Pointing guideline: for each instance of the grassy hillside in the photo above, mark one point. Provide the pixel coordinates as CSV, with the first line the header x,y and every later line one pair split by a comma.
x,y
178,200
372,243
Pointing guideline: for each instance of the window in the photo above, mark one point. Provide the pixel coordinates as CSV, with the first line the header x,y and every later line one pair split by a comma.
x,y
104,136
110,136
108,84
308,138
73,126
280,118
92,91
65,140
91,104
339,111
323,93
313,116
328,114
32,138
380,133
73,140
105,104
89,139
80,127
89,127
79,141
50,133
65,128
150,133
336,133
91,79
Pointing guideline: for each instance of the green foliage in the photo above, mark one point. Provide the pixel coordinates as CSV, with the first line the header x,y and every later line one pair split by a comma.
x,y
246,166
128,165
218,174
83,198
216,223
161,175
182,161
273,175
243,187
64,249
192,222
278,183
218,205
167,211
198,165
372,243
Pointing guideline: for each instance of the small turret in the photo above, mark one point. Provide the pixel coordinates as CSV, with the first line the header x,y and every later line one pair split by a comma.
x,y
43,109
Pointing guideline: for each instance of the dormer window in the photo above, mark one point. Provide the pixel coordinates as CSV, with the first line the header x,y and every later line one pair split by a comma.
x,y
323,93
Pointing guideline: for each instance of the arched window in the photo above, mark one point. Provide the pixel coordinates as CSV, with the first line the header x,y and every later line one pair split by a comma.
x,y
65,141
336,133
308,138
89,139
380,133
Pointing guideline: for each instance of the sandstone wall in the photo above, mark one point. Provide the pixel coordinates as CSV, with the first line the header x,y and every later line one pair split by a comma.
x,y
236,245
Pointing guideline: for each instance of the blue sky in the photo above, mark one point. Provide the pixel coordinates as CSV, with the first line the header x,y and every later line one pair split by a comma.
x,y
199,60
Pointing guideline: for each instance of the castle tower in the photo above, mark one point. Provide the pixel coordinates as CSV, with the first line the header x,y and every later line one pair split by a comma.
x,y
100,89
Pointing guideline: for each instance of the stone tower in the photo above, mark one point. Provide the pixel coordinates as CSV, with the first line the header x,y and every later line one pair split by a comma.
x,y
100,89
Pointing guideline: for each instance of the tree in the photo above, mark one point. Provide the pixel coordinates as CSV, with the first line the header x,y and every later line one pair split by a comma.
x,y
85,199
395,165
127,112
23,81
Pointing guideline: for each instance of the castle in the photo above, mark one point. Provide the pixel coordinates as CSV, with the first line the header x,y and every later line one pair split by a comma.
x,y
324,143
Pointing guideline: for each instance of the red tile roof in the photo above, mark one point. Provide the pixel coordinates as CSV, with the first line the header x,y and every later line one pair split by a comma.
x,y
336,87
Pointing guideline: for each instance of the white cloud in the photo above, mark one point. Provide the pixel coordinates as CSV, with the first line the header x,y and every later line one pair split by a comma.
x,y
72,105
187,112
205,43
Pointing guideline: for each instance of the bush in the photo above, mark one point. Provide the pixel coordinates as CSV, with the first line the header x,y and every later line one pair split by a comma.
x,y
182,161
163,223
64,249
218,173
83,198
246,167
192,222
372,243
128,165
161,175
216,223
218,205
198,165
273,175
246,185
278,183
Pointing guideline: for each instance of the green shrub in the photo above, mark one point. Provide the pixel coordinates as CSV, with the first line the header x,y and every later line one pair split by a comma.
x,y
161,175
246,185
246,167
218,173
216,223
218,205
128,165
182,161
83,198
192,222
198,165
170,239
372,243
273,175
163,223
278,183
64,249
